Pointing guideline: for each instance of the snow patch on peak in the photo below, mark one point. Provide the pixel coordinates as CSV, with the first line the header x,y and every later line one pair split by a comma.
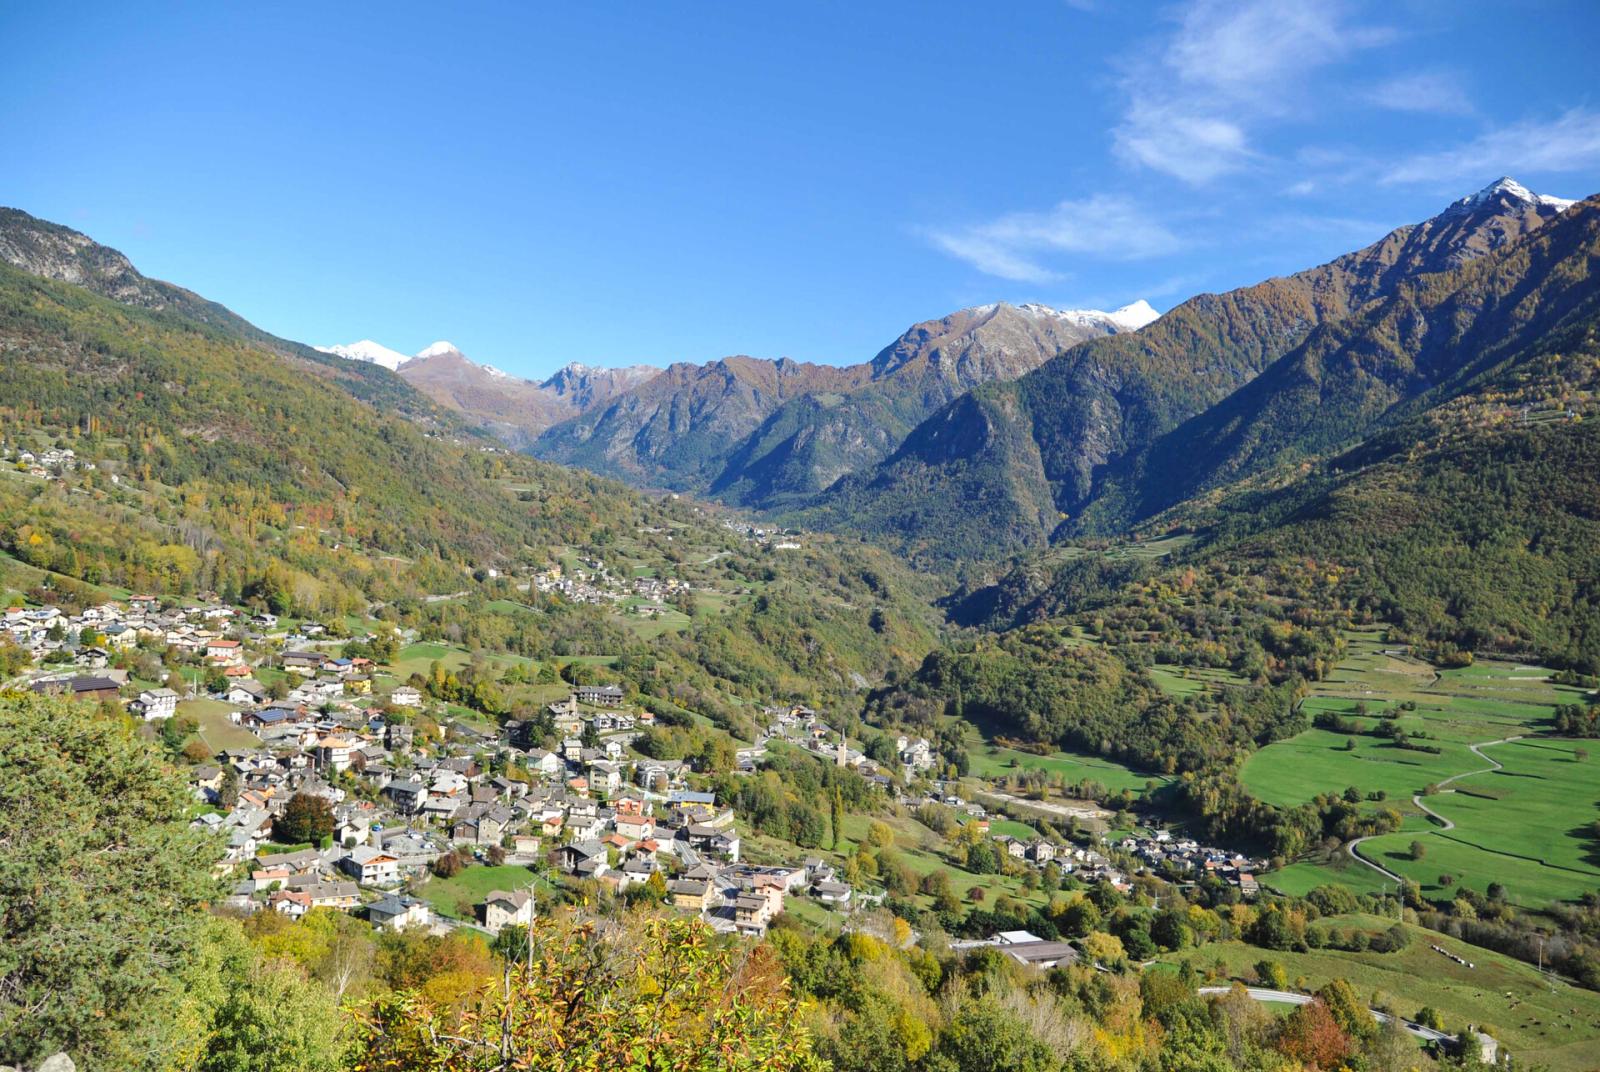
x,y
367,350
1130,317
1506,186
491,370
438,348
1134,315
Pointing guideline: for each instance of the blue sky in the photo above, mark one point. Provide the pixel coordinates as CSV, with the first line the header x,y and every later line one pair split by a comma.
x,y
656,182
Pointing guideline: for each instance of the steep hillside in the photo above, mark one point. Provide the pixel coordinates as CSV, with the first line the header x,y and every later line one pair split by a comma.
x,y
1432,339
675,430
514,409
51,251
206,461
1001,468
1468,518
585,386
508,407
768,433
255,439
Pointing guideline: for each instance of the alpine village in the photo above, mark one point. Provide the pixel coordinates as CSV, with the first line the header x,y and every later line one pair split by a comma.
x,y
1055,690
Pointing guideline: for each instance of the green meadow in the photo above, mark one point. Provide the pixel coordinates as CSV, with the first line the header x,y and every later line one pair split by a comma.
x,y
1527,826
994,761
456,896
1541,1022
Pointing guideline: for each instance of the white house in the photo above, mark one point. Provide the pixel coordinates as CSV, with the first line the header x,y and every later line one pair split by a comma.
x,y
372,867
397,913
157,703
406,696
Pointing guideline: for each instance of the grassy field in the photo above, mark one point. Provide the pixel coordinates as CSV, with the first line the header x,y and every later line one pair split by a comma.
x,y
1189,680
215,729
1525,827
670,620
1012,828
1539,1021
455,897
419,658
1299,879
992,761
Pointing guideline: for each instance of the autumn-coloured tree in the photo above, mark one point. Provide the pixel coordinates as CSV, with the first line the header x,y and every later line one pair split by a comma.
x,y
671,997
1348,1011
1311,1036
305,818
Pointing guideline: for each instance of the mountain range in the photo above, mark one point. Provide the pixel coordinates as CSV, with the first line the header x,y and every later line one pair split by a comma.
x,y
749,430
987,431
1057,452
1316,410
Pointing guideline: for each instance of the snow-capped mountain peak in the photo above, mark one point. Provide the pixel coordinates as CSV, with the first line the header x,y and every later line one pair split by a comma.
x,y
437,349
1133,316
1130,317
1506,186
367,350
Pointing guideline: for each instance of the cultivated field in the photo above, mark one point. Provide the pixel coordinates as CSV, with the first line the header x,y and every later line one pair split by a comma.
x,y
1526,826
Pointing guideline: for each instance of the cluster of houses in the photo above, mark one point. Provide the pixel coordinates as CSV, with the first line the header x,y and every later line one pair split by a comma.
x,y
1185,858
210,631
588,807
590,813
47,464
593,582
782,539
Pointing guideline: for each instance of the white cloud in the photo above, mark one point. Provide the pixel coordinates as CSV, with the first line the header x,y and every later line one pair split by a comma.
x,y
1431,92
1226,68
1254,51
1012,246
1189,145
1569,143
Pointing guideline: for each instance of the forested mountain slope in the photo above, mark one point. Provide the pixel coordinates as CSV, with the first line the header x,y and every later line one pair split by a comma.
x,y
674,430
1432,339
51,251
1468,516
220,460
1001,468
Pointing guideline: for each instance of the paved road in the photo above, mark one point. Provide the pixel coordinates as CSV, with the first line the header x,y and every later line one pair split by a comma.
x,y
1288,997
1494,765
1445,824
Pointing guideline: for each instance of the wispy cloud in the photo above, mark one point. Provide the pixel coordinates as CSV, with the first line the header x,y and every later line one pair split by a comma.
x,y
1430,92
1014,246
1568,143
1226,68
1188,144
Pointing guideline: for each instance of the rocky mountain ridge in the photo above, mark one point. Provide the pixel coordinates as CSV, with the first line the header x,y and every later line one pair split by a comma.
x,y
764,433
